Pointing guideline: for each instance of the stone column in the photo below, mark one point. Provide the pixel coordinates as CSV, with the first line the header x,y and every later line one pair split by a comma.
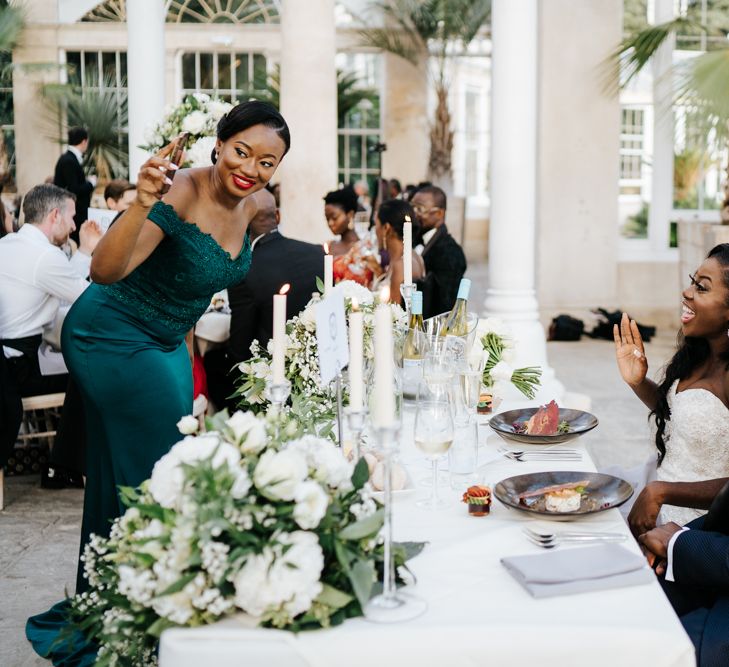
x,y
661,207
309,105
511,295
145,73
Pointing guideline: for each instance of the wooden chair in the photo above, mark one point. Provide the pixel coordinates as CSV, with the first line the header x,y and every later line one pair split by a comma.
x,y
38,425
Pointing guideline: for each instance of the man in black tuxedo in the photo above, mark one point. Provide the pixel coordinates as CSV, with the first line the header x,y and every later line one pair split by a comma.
x,y
277,260
69,174
693,565
444,260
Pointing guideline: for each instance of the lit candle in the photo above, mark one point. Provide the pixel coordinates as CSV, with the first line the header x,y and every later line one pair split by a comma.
x,y
279,335
328,271
356,347
407,251
384,403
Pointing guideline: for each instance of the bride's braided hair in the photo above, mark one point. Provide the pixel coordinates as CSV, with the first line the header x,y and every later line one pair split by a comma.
x,y
691,353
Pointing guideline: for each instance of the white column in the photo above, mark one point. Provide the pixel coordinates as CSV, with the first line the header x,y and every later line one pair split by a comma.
x,y
145,73
661,206
511,295
309,105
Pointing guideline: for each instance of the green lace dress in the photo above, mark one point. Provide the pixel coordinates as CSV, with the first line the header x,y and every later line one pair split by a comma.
x,y
124,346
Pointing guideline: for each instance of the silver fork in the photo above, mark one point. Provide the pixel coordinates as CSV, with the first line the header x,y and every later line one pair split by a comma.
x,y
551,540
551,455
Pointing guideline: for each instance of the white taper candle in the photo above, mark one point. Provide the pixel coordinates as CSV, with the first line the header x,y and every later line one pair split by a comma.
x,y
407,251
279,335
356,349
328,271
384,404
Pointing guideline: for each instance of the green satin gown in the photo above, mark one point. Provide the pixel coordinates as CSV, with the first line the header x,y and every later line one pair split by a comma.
x,y
124,346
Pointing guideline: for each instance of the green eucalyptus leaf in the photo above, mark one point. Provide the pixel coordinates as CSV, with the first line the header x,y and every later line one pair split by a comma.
x,y
360,475
364,527
333,597
179,584
362,577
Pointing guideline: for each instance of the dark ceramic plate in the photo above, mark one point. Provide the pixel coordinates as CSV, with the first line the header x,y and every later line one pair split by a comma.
x,y
603,492
580,422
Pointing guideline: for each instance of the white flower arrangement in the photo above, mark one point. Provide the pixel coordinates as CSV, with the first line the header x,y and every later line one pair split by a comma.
x,y
311,401
253,516
197,114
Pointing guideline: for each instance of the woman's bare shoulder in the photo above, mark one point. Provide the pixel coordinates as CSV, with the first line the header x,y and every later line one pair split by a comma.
x,y
185,190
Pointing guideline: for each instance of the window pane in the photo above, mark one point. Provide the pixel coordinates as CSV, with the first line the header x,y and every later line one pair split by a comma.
x,y
373,158
188,71
6,108
224,82
242,80
259,71
355,152
123,67
206,71
91,68
73,67
342,151
108,61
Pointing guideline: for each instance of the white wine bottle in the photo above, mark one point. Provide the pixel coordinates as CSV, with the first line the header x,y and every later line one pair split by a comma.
x,y
413,353
455,327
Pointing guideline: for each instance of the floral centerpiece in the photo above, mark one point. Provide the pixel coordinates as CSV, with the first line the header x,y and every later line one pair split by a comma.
x,y
197,114
312,402
495,343
253,516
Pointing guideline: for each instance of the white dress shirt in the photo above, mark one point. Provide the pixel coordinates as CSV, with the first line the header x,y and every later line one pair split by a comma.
x,y
79,155
426,238
35,279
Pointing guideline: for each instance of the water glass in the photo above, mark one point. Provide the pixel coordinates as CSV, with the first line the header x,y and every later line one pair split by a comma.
x,y
463,455
434,432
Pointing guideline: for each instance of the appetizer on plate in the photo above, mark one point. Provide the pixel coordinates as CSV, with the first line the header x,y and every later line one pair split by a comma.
x,y
558,497
545,421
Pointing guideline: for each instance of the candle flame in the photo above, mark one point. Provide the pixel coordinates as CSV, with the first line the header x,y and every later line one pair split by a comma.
x,y
284,289
326,248
407,218
385,295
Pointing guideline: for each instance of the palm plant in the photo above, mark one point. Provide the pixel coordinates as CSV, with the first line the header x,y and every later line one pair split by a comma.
x,y
418,30
700,84
12,23
103,112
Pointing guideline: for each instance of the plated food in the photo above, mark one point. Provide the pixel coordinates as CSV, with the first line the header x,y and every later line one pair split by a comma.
x,y
478,499
563,494
548,424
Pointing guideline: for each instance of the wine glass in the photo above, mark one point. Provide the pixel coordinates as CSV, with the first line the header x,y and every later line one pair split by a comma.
x,y
434,431
466,386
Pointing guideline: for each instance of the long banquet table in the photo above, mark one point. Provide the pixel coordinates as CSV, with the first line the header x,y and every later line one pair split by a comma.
x,y
477,613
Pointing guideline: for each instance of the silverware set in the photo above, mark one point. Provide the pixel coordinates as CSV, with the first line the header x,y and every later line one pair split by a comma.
x,y
541,454
548,540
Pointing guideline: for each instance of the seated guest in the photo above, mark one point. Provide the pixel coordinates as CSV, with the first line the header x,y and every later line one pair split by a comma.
x,y
390,221
119,195
276,261
693,563
444,260
36,278
339,209
689,402
395,189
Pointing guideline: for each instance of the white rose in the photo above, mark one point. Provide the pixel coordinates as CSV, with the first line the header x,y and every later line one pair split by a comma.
x,y
195,122
502,372
279,473
218,108
252,593
353,290
308,316
242,484
249,431
188,425
198,155
311,504
507,354
203,98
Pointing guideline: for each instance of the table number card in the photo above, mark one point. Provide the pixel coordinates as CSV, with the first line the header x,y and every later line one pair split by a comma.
x,y
331,336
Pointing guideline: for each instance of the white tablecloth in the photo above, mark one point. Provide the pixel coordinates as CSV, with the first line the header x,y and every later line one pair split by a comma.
x,y
477,614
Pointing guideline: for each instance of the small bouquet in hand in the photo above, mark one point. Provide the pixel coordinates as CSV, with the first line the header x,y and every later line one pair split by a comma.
x,y
498,351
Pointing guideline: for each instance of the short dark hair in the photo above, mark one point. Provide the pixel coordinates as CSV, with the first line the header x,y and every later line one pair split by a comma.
x,y
394,183
250,113
393,211
42,199
439,197
76,135
115,189
345,198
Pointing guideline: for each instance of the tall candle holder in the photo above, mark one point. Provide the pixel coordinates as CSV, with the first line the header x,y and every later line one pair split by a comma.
x,y
391,606
340,420
277,393
356,420
406,291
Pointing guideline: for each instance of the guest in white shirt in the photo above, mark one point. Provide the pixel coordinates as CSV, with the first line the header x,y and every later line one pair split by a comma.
x,y
36,278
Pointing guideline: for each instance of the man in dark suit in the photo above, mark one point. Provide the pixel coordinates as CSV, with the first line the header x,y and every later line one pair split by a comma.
x,y
693,565
444,260
69,174
277,260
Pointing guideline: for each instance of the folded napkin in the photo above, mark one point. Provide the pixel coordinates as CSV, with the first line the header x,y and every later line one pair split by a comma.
x,y
579,570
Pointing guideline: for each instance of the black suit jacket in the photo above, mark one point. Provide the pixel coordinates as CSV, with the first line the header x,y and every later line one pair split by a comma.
x,y
700,593
69,174
276,261
445,265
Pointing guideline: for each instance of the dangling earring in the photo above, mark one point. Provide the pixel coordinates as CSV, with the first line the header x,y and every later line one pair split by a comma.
x,y
350,225
217,154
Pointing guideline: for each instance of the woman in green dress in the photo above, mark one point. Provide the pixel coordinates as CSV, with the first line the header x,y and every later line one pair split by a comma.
x,y
127,339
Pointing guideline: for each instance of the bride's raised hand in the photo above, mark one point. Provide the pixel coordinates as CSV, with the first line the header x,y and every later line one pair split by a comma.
x,y
153,176
629,352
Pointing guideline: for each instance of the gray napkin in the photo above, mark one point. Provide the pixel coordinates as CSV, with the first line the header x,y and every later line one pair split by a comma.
x,y
579,570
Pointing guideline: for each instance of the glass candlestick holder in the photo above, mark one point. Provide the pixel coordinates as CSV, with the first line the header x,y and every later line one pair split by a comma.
x,y
356,420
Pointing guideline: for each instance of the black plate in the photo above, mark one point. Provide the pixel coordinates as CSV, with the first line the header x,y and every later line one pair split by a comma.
x,y
580,422
603,492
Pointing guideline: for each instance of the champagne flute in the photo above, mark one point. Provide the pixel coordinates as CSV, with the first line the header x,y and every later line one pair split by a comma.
x,y
434,431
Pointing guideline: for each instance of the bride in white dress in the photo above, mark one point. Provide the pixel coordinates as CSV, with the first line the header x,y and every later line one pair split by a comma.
x,y
689,404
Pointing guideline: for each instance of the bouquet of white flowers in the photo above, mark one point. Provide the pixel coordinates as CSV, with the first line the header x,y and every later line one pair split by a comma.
x,y
311,402
253,516
197,114
497,348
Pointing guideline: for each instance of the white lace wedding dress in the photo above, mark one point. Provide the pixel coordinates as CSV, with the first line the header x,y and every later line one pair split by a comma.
x,y
697,445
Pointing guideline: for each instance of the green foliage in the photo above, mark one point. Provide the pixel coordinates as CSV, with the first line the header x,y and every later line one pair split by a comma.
x,y
636,226
12,24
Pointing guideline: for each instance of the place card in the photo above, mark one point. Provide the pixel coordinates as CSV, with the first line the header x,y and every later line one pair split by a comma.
x,y
331,336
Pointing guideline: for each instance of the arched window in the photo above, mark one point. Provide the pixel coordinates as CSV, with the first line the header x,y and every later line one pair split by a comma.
x,y
197,11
